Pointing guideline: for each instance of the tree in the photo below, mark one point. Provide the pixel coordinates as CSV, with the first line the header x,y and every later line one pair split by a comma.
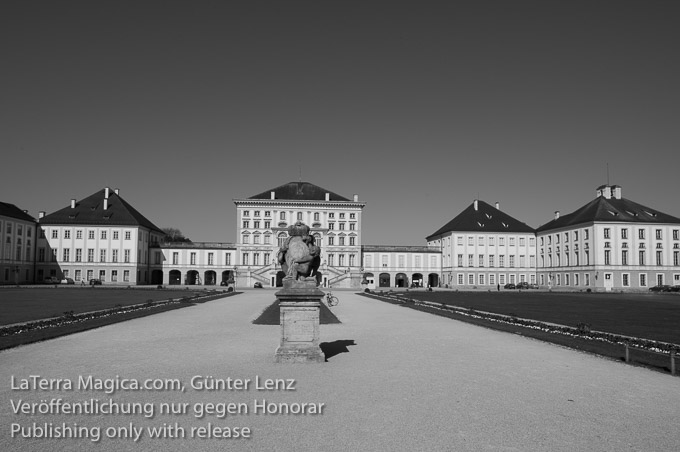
x,y
174,235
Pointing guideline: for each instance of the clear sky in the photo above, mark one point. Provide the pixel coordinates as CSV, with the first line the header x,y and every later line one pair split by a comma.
x,y
418,107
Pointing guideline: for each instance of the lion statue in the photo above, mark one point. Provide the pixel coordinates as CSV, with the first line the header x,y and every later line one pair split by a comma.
x,y
299,256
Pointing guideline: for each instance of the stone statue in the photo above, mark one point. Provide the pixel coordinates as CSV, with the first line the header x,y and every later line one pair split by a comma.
x,y
299,256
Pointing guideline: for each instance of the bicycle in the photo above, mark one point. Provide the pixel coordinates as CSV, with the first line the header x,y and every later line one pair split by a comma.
x,y
331,300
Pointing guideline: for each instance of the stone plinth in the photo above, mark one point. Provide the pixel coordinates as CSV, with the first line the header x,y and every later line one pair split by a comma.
x,y
299,303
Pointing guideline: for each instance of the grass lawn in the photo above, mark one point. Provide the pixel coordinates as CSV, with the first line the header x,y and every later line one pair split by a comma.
x,y
650,316
26,304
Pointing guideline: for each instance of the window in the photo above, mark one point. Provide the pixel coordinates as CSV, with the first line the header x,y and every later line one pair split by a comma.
x,y
352,241
607,257
342,216
246,238
352,216
643,280
459,240
245,259
246,224
480,240
511,241
658,234
90,274
470,260
192,259
641,257
625,280
79,234
501,260
316,216
624,257
624,233
227,259
341,241
342,226
115,235
471,279
67,234
41,255
102,275
211,258
246,213
299,216
256,239
55,233
491,260
384,260
256,259
267,213
114,275
522,241
641,233
126,275
471,241
66,255
331,226
460,260
481,260
78,275
659,258
522,260
267,224
676,234
90,235
256,224
79,254
501,241
266,259
114,255
606,233
126,256
676,258
90,254
331,215
103,235
282,216
157,257
352,226
331,241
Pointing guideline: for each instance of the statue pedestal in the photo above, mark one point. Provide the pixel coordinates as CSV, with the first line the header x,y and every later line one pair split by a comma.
x,y
299,303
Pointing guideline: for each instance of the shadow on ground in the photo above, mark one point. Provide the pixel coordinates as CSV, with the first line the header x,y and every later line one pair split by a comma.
x,y
272,315
330,349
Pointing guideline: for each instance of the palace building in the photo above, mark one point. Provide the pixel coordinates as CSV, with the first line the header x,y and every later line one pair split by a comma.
x,y
610,243
485,247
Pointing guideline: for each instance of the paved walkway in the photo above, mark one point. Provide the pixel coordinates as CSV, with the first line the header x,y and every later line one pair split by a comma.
x,y
412,382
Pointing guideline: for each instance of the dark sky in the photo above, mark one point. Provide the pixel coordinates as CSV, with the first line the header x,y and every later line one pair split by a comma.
x,y
418,107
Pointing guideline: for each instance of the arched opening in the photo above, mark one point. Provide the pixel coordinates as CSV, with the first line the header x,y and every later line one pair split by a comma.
x,y
433,280
384,280
210,278
369,280
227,278
279,278
175,277
417,280
401,280
192,278
157,277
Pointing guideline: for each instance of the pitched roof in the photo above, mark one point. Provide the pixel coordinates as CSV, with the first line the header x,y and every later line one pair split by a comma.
x,y
12,211
485,218
300,191
90,211
608,210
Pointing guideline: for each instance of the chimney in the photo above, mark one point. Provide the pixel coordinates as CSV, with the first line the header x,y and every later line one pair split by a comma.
x,y
273,195
106,193
476,203
116,191
106,203
25,211
73,203
498,206
328,196
356,198
41,214
557,214
616,191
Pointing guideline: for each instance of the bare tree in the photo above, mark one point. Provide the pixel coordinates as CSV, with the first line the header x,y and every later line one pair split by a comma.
x,y
174,235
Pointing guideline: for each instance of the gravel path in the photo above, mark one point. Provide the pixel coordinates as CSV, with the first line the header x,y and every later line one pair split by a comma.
x,y
412,382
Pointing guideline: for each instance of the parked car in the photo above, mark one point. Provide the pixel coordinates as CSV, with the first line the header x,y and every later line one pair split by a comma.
x,y
522,285
675,288
257,285
509,286
68,281
52,280
95,282
660,288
